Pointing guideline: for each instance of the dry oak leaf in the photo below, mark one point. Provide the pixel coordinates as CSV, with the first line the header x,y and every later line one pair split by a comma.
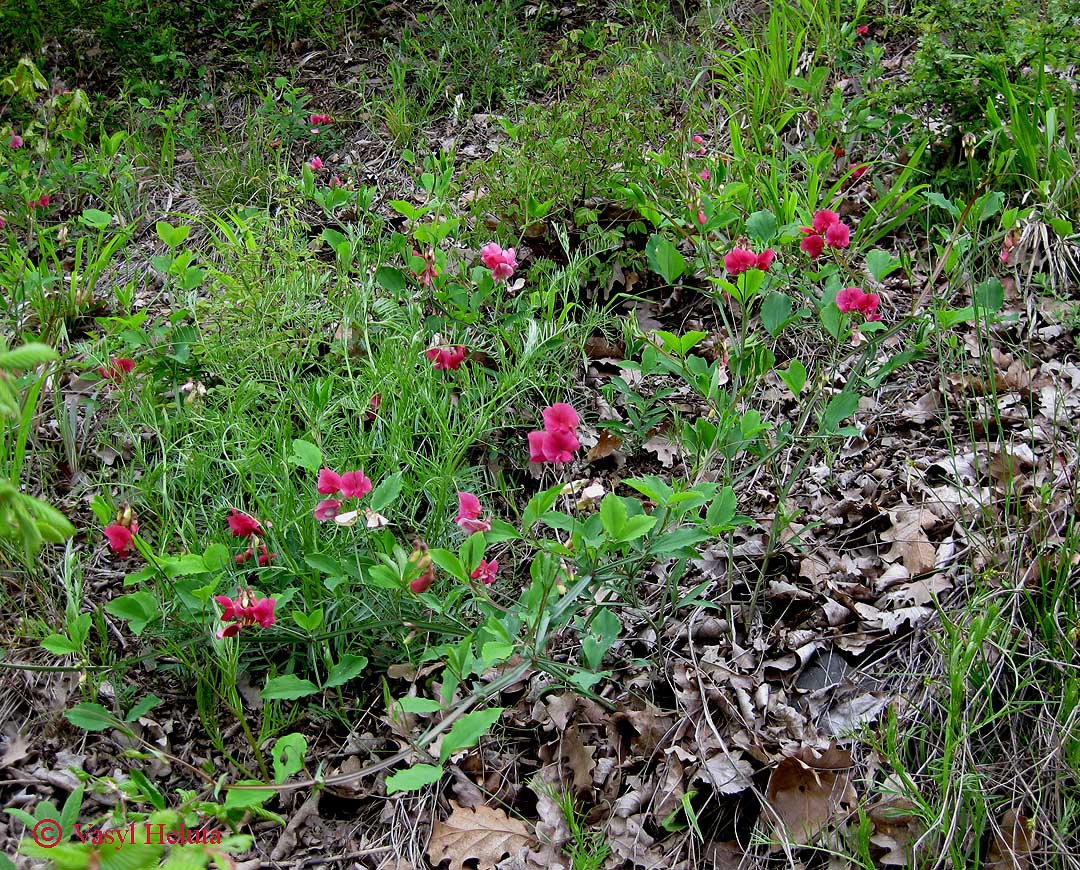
x,y
910,544
807,792
484,835
1013,844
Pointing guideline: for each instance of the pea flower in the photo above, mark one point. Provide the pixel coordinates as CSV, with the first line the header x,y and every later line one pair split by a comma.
x,y
243,525
420,559
557,442
855,299
351,484
246,610
827,229
469,514
3,223
485,571
740,259
446,358
315,163
428,274
863,29
122,530
117,368
704,175
698,140
501,261
15,141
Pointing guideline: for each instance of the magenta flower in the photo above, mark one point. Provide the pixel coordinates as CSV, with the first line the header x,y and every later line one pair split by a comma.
x,y
765,259
485,572
446,358
469,514
827,229
556,443
117,368
245,611
428,274
318,120
501,261
855,299
700,142
315,163
739,260
119,537
838,236
351,484
336,182
44,201
243,525
3,223
812,244
863,29
327,509
701,219
704,175
560,417
859,171
15,141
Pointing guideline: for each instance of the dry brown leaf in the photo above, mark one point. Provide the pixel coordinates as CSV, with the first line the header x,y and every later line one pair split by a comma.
x,y
727,775
910,544
485,835
608,445
665,449
809,792
1013,844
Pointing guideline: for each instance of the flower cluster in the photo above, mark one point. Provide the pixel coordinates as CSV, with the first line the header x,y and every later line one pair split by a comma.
x,y
740,259
501,261
427,275
485,572
117,368
469,514
828,229
42,202
120,532
446,358
316,121
15,141
557,441
315,163
855,299
245,610
244,525
351,484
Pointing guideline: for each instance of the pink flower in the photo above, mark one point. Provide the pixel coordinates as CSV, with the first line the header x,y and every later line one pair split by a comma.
x,y
15,141
560,417
765,259
738,260
538,447
422,583
336,182
355,484
555,447
329,482
3,223
838,235
701,219
1005,252
117,368
502,262
44,201
854,299
428,274
119,538
245,611
698,140
823,219
469,514
859,171
862,29
243,525
327,509
315,163
446,358
316,120
485,571
704,175
813,245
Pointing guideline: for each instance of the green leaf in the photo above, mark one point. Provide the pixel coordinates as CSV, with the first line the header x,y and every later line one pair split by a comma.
x,y
761,226
347,667
306,455
989,204
468,730
170,235
413,778
95,219
144,706
92,717
390,279
794,376
28,356
840,408
419,705
288,756
406,209
59,645
450,563
310,622
288,688
324,564
775,312
935,198
990,295
382,496
881,264
722,510
139,609
501,531
664,258
613,515
236,798
635,527
217,557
